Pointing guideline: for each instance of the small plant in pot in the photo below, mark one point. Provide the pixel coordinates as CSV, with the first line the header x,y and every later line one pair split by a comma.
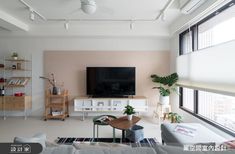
x,y
14,55
129,110
174,117
166,86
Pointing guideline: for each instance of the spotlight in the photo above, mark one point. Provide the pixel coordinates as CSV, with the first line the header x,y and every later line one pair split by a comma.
x,y
131,24
31,15
163,16
66,25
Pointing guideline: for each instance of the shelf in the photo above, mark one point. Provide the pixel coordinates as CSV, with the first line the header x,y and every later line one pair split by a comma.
x,y
18,60
55,105
14,86
10,69
16,80
56,96
62,116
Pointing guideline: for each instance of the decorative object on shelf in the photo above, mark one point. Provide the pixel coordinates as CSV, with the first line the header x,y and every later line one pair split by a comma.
x,y
19,94
2,91
166,86
52,81
129,110
18,66
14,55
1,65
18,81
174,117
2,80
13,67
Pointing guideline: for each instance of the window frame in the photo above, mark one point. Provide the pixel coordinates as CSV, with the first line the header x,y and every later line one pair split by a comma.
x,y
194,28
197,115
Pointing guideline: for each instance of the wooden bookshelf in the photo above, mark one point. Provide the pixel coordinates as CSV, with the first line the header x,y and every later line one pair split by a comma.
x,y
17,74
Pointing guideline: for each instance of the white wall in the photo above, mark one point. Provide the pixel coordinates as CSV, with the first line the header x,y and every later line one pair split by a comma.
x,y
37,45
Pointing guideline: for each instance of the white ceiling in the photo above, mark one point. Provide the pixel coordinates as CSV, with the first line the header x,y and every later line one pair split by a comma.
x,y
106,9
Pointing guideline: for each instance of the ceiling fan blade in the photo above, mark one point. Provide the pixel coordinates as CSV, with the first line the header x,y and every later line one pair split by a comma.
x,y
75,11
105,10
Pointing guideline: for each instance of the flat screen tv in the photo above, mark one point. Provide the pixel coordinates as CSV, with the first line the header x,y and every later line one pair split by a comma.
x,y
110,81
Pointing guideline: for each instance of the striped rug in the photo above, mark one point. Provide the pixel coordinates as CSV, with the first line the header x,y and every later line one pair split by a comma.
x,y
146,142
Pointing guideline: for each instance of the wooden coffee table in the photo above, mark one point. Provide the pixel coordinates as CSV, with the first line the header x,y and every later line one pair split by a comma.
x,y
123,124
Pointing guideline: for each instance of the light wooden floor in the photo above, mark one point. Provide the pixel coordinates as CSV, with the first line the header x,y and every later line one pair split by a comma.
x,y
71,127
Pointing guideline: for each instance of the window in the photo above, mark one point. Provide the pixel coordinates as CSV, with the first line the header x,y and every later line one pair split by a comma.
x,y
215,109
186,42
218,27
218,108
188,99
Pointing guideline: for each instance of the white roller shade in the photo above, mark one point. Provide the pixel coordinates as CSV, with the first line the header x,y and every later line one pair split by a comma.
x,y
214,66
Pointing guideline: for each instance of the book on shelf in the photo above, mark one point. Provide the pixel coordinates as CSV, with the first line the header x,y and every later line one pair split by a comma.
x,y
17,81
186,130
56,113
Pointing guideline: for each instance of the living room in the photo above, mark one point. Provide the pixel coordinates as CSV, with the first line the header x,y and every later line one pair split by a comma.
x,y
61,47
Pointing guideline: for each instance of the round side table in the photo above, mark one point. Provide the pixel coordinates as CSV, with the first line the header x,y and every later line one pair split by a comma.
x,y
98,123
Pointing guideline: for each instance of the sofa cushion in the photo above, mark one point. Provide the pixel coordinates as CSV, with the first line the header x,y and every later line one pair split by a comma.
x,y
230,144
138,150
37,138
170,136
62,149
98,145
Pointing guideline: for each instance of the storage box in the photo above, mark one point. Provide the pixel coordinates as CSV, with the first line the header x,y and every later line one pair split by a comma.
x,y
135,134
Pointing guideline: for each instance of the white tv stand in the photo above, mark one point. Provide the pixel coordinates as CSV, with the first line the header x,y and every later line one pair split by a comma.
x,y
85,104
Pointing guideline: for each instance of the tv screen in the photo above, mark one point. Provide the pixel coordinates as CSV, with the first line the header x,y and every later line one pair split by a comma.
x,y
110,81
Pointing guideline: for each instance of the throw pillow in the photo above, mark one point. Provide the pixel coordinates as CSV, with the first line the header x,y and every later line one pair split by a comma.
x,y
37,138
230,144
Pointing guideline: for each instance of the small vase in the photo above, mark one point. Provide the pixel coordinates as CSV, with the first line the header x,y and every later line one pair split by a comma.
x,y
129,117
54,91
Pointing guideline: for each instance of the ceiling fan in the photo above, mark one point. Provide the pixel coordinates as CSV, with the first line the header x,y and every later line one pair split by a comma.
x,y
88,6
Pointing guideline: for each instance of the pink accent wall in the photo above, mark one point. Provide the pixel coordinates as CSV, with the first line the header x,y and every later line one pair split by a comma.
x,y
70,67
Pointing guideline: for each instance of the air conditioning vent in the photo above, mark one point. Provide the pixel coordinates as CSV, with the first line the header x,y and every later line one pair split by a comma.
x,y
191,6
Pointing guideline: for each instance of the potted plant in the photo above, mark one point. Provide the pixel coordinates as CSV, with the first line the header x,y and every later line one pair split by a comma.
x,y
166,86
129,110
174,117
14,55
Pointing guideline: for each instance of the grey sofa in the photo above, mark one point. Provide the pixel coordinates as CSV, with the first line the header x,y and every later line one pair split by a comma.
x,y
106,148
202,135
159,149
